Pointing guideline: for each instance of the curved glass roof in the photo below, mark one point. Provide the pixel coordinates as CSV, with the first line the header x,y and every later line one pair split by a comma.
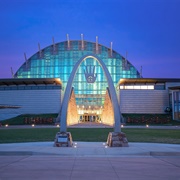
x,y
57,61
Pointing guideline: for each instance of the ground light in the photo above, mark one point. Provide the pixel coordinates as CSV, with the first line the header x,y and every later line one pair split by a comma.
x,y
105,145
33,125
6,125
75,145
147,125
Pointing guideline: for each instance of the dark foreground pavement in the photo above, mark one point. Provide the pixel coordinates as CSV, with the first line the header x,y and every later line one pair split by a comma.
x,y
91,161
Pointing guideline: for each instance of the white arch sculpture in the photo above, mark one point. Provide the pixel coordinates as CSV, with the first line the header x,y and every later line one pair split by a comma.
x,y
62,117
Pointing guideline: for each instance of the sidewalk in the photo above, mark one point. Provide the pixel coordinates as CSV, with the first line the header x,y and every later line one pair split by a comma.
x,y
90,149
89,160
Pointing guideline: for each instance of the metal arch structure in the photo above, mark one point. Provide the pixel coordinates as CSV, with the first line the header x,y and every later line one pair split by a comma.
x,y
62,116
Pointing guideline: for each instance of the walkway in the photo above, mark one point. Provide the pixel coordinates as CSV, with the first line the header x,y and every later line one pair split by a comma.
x,y
89,161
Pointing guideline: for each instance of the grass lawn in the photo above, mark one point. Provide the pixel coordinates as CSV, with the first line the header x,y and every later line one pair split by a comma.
x,y
89,134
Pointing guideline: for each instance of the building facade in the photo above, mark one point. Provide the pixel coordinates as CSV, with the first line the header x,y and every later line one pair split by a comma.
x,y
29,96
58,60
149,96
38,85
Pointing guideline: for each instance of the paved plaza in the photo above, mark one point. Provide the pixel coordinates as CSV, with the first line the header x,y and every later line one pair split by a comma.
x,y
89,160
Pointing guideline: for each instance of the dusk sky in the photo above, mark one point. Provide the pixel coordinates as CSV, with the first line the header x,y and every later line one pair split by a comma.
x,y
148,29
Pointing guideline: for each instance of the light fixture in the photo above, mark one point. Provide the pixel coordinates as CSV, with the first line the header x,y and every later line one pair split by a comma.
x,y
32,125
6,125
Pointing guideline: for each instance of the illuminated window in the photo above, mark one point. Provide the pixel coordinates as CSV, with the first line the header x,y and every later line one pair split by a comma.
x,y
143,87
137,87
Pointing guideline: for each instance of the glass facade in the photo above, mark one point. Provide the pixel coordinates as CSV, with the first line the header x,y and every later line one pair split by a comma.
x,y
176,105
58,60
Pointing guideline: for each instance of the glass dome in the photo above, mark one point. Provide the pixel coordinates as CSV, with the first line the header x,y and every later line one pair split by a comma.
x,y
58,60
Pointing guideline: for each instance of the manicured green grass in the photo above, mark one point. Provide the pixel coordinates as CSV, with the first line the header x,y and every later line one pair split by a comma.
x,y
27,135
169,136
89,134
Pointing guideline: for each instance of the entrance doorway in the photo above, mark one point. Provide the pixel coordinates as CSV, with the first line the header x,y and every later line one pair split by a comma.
x,y
90,118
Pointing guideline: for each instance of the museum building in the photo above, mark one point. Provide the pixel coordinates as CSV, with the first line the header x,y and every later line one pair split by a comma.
x,y
38,85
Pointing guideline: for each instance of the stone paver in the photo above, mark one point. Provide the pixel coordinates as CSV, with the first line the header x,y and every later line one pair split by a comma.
x,y
89,160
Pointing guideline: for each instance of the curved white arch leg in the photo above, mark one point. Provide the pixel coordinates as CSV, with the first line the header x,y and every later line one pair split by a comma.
x,y
63,113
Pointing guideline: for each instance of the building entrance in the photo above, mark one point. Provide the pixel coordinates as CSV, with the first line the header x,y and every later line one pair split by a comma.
x,y
90,118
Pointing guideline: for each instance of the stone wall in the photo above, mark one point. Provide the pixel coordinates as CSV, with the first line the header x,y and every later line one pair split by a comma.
x,y
45,101
143,101
72,113
108,114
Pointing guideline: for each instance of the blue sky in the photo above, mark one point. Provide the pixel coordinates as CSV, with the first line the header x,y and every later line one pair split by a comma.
x,y
148,29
